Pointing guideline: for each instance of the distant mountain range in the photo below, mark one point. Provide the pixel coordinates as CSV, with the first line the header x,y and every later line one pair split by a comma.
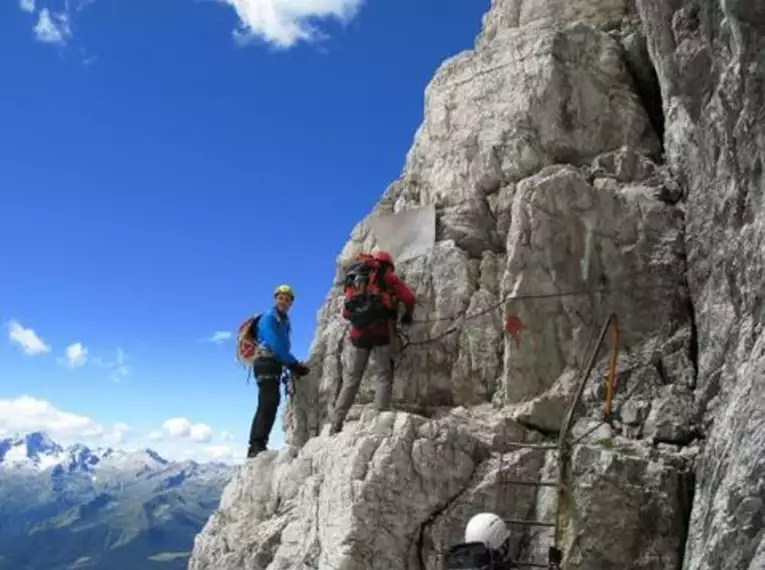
x,y
77,508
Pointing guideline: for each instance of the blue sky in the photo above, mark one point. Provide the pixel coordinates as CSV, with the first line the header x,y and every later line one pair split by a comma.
x,y
163,165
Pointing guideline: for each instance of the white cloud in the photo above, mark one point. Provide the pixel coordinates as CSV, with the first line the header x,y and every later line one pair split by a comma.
x,y
219,452
216,453
119,370
80,5
76,355
226,436
200,433
117,436
53,27
27,339
184,447
156,436
182,428
26,414
219,337
280,23
283,23
177,427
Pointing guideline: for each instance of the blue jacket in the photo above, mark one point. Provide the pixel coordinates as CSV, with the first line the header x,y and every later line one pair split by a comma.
x,y
274,334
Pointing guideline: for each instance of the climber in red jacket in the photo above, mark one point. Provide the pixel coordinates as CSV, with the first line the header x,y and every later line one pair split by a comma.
x,y
372,295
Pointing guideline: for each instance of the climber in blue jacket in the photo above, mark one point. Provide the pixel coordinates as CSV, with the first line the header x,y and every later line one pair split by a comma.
x,y
273,354
274,332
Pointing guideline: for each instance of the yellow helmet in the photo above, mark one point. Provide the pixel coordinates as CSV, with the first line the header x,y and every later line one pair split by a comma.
x,y
284,289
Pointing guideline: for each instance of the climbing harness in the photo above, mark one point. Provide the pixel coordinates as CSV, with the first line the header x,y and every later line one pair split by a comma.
x,y
289,383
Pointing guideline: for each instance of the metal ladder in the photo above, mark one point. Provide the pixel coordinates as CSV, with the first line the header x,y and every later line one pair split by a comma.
x,y
564,448
554,555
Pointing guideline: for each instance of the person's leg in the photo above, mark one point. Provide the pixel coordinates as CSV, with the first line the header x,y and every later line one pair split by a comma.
x,y
384,391
268,403
350,389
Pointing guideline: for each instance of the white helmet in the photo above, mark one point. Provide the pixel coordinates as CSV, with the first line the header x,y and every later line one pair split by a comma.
x,y
489,529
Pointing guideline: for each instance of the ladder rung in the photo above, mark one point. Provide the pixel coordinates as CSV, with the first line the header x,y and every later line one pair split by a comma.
x,y
529,523
532,445
530,483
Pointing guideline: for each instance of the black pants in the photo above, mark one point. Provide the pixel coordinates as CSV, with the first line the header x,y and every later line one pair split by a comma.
x,y
269,395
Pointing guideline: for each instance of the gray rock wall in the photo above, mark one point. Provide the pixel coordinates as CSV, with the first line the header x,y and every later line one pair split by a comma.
x,y
538,155
588,157
710,58
397,491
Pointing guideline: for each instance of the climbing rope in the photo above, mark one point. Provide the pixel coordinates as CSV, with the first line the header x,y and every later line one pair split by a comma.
x,y
406,338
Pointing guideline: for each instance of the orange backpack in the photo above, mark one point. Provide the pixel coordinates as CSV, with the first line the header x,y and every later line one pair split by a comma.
x,y
367,296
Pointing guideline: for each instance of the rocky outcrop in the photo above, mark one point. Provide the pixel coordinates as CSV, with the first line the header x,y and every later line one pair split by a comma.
x,y
708,57
536,152
379,497
587,158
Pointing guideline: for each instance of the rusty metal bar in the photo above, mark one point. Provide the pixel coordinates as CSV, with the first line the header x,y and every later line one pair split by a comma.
x,y
530,483
564,456
563,446
550,446
611,378
569,418
529,523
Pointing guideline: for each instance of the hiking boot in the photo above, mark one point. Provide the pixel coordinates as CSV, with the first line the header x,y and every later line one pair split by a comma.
x,y
254,449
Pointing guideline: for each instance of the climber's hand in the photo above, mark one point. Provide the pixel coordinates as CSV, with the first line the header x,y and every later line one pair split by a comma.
x,y
406,319
300,369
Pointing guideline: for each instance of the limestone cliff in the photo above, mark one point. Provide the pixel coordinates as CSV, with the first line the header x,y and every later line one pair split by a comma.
x,y
588,157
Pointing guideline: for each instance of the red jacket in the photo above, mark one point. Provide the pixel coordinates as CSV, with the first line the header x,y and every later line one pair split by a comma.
x,y
379,333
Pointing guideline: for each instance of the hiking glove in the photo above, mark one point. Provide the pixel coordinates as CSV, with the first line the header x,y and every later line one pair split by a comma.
x,y
300,369
406,319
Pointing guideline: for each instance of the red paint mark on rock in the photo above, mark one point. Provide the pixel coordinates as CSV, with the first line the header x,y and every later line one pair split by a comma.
x,y
514,327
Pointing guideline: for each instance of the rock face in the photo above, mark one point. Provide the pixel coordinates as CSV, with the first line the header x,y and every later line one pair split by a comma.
x,y
587,158
709,58
379,497
536,152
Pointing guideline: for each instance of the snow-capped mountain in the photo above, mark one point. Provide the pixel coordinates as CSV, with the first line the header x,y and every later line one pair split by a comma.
x,y
37,452
100,507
